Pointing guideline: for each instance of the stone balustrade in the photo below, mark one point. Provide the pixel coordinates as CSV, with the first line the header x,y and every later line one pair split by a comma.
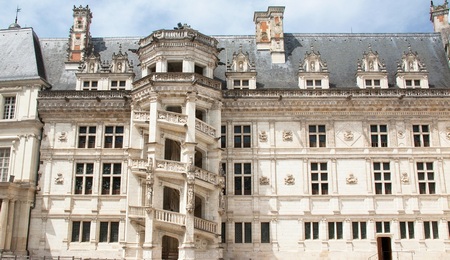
x,y
178,77
138,164
205,128
141,116
205,225
172,117
137,211
205,175
173,166
170,217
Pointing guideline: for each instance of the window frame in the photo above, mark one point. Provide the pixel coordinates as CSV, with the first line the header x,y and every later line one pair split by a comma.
x,y
359,228
113,177
82,233
86,175
431,230
244,135
5,163
242,176
118,84
243,233
382,227
116,138
317,136
9,106
223,136
312,230
425,184
377,135
265,232
88,135
421,137
382,182
407,229
335,230
319,184
112,232
89,85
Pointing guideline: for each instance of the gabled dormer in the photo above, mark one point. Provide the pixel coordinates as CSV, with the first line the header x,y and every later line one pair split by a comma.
x,y
411,72
313,71
241,73
95,74
371,71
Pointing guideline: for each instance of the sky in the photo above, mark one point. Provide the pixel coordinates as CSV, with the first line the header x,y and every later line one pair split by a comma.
x,y
118,18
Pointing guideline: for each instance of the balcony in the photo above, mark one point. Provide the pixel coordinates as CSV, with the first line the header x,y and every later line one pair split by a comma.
x,y
138,213
205,129
172,121
181,167
141,118
139,166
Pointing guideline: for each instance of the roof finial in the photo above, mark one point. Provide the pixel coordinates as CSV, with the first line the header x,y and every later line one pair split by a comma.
x,y
17,12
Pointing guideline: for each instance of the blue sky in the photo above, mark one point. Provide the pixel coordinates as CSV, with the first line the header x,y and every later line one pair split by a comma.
x,y
114,18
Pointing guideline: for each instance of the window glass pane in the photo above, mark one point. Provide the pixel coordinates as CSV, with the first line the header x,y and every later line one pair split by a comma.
x,y
308,230
86,231
76,231
315,230
355,229
363,230
103,232
402,230
248,232
238,232
114,235
265,232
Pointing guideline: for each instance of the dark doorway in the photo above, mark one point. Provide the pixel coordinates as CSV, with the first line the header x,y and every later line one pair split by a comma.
x,y
169,248
384,248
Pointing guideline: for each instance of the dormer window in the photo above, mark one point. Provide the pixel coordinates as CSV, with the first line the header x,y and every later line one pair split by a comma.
x,y
371,72
90,85
175,66
411,72
241,72
198,69
118,84
313,71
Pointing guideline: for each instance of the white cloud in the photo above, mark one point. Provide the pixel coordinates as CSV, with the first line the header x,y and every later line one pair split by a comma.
x,y
52,18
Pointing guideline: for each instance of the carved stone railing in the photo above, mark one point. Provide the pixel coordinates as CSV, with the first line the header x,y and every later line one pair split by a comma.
x,y
172,117
205,128
137,211
170,217
205,175
173,166
139,164
179,34
178,77
347,93
205,225
141,116
76,94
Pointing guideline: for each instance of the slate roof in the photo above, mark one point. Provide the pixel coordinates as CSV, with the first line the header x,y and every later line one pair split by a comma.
x,y
20,55
340,51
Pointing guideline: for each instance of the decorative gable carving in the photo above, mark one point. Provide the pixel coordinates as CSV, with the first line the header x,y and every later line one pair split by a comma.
x,y
241,72
120,63
411,72
371,71
313,71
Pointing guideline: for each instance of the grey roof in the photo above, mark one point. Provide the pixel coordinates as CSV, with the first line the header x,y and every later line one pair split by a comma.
x,y
20,55
340,51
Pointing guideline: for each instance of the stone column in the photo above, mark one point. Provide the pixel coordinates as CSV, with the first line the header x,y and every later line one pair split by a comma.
x,y
148,248
3,223
9,230
187,248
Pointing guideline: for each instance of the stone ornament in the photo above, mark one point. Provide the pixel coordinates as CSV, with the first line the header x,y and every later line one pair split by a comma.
x,y
190,199
264,180
289,180
59,180
401,134
263,136
287,136
348,135
201,243
448,133
62,137
351,179
404,178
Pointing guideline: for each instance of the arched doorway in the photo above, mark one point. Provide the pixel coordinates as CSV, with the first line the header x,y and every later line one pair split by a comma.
x,y
198,210
171,200
169,248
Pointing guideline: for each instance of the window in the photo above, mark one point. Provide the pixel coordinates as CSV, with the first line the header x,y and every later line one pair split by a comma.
x,y
244,83
310,83
86,137
9,107
334,230
383,226
4,163
223,235
406,230
378,135
223,136
118,84
382,175
242,136
242,179
317,136
90,85
431,229
175,66
81,231
372,82
224,172
198,69
265,232
319,178
83,178
425,177
111,178
113,136
359,230
412,82
421,135
243,232
109,232
311,230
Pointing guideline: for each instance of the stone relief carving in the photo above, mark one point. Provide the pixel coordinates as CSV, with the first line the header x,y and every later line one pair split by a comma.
x,y
59,180
264,180
287,136
62,137
401,134
351,179
263,136
289,180
404,178
149,182
348,135
201,243
190,199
